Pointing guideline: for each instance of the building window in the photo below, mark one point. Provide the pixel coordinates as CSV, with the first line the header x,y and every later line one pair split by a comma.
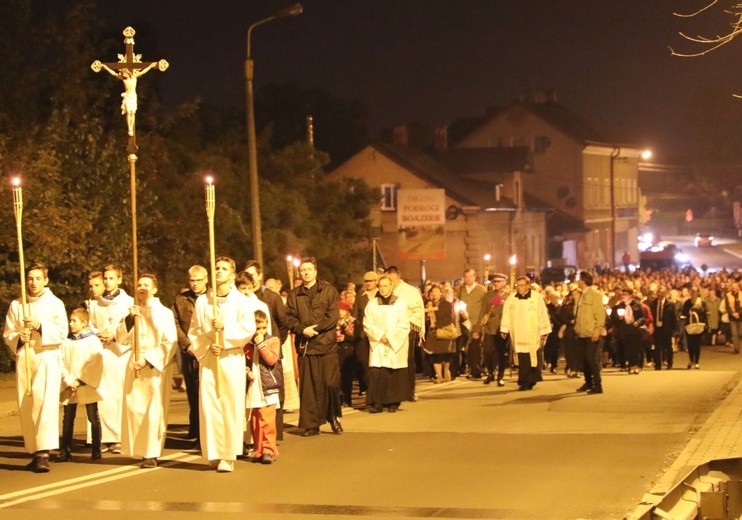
x,y
389,197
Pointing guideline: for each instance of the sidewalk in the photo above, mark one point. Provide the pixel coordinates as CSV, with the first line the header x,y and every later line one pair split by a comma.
x,y
720,437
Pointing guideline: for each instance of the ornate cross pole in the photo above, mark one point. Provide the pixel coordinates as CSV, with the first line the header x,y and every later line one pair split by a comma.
x,y
130,67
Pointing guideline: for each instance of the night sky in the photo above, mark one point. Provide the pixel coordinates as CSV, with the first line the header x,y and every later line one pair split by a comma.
x,y
433,61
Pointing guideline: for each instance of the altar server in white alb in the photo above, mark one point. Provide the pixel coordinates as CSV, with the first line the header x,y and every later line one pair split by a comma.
x,y
148,379
43,329
106,314
82,371
222,390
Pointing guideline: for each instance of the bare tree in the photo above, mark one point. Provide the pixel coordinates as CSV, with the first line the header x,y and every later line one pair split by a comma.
x,y
713,43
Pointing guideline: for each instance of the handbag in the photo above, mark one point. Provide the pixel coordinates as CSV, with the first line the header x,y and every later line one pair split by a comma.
x,y
449,332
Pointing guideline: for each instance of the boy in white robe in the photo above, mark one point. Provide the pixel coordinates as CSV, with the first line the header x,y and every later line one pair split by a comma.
x,y
82,370
34,339
222,389
106,314
148,379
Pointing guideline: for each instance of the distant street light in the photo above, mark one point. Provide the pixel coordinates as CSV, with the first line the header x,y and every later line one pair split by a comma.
x,y
257,237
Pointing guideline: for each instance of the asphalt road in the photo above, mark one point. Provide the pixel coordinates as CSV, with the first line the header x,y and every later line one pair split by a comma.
x,y
463,450
724,253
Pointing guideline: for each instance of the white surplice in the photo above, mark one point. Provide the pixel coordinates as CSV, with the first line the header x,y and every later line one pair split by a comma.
x,y
39,412
106,315
222,413
82,360
147,396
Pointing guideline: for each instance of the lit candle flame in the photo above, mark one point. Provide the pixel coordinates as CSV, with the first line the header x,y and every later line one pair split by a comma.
x,y
209,180
297,262
512,260
16,181
289,258
487,257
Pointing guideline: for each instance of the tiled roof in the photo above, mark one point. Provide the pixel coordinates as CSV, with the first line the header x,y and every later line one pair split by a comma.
x,y
436,171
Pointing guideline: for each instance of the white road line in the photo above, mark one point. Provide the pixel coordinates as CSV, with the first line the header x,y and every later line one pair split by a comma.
x,y
90,480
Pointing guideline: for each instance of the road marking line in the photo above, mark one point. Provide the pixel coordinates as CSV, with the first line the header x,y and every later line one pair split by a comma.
x,y
85,481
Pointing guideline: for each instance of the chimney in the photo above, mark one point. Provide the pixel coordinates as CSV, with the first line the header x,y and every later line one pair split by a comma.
x,y
441,139
545,96
401,135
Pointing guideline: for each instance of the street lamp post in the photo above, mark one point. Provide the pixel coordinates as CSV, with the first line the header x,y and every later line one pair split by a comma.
x,y
616,152
257,237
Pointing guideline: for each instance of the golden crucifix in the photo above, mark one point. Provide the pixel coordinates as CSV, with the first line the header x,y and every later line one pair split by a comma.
x,y
130,67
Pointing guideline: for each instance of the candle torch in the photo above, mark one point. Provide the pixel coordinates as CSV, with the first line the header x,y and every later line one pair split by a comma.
x,y
18,211
210,208
513,260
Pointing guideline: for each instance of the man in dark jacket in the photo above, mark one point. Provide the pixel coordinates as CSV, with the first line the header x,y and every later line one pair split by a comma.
x,y
312,311
183,310
665,323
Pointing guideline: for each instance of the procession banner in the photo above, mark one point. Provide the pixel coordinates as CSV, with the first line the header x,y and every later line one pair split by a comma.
x,y
421,224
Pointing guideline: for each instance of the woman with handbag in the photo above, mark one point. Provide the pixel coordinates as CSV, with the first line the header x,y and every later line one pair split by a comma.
x,y
694,316
441,333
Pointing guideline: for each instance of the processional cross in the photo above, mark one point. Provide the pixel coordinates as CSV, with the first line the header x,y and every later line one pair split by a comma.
x,y
130,67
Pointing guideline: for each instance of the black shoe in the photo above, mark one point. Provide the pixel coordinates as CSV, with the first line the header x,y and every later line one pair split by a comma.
x,y
596,390
336,426
501,383
585,388
375,409
39,464
267,458
96,455
64,456
149,463
310,432
393,408
488,381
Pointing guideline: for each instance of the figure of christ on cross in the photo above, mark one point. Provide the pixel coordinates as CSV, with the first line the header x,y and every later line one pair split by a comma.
x,y
129,101
128,69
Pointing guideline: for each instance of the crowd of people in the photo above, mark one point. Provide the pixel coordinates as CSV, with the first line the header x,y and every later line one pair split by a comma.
x,y
247,350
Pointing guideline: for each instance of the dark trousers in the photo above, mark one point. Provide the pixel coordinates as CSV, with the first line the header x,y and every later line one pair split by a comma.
x,y
411,367
551,351
662,350
496,354
363,349
319,390
694,348
474,357
190,376
68,426
593,356
488,350
350,368
633,347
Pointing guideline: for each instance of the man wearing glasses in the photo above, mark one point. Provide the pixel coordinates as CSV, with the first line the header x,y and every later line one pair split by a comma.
x,y
183,311
526,319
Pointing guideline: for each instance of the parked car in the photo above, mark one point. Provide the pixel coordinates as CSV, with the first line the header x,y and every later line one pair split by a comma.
x,y
704,240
